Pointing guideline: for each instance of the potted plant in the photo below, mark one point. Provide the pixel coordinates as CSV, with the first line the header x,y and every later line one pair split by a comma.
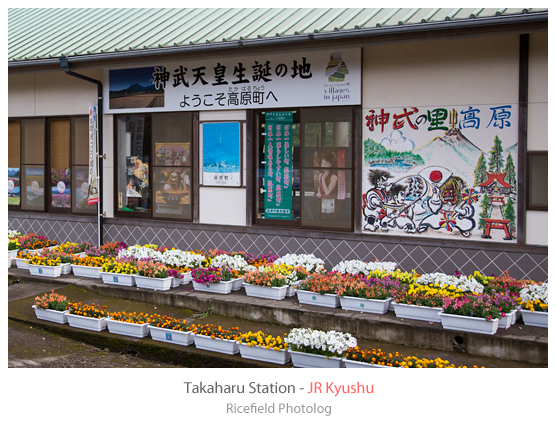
x,y
51,307
131,324
371,358
364,295
45,266
320,289
119,271
266,283
209,279
212,337
534,304
13,247
263,347
164,328
421,302
473,313
314,348
89,317
65,258
88,266
22,259
152,275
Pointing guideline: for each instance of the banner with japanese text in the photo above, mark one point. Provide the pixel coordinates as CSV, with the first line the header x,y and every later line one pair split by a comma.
x,y
279,165
441,171
264,80
93,193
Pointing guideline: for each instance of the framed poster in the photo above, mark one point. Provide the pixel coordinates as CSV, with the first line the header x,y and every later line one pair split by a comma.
x,y
221,154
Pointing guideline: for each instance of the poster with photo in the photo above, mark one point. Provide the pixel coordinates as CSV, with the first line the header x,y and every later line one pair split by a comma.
x,y
137,176
173,154
221,154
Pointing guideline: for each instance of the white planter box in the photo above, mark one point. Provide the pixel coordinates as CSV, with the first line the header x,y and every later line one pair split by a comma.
x,y
86,323
118,279
45,271
470,324
175,282
86,271
275,293
508,320
237,284
421,313
230,347
311,298
263,354
10,262
373,306
127,328
153,283
51,315
349,363
185,278
21,263
292,289
167,335
223,287
66,268
304,360
535,318
12,254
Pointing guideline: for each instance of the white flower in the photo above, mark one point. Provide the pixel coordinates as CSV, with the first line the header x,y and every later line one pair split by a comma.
x,y
357,267
535,292
182,258
235,262
329,341
466,284
310,262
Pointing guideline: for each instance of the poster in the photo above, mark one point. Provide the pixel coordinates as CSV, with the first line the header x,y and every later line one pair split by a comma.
x,y
221,154
93,156
444,172
137,177
279,165
172,154
173,185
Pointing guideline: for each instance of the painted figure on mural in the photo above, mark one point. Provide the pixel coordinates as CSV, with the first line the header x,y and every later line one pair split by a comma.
x,y
374,200
401,211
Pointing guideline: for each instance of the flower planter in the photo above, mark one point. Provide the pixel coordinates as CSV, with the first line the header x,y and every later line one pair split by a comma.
x,y
508,320
175,282
21,263
237,284
292,289
470,324
86,323
421,313
373,306
223,287
304,360
168,335
45,271
10,262
51,315
86,271
317,299
349,363
66,268
127,328
186,277
153,283
12,254
118,279
263,354
230,347
275,293
535,318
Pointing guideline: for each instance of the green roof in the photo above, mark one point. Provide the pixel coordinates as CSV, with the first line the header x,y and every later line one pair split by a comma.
x,y
41,34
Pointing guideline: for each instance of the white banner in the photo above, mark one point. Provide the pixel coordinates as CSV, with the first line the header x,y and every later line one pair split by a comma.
x,y
264,80
93,158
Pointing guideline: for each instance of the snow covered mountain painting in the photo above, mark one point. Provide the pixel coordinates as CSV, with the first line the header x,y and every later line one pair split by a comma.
x,y
442,173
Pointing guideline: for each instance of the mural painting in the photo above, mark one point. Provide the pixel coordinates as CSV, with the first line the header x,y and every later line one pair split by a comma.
x,y
447,172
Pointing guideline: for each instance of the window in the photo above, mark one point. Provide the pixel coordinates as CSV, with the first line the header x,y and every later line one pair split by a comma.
x,y
154,165
59,146
537,181
304,179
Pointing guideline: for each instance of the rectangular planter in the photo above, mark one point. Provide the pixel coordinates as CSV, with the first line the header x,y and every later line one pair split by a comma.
x,y
349,363
312,298
275,293
421,313
263,354
153,283
45,271
304,360
127,328
230,347
186,277
535,318
237,284
12,254
86,323
118,279
292,289
66,268
508,320
51,315
86,271
223,287
373,306
469,324
21,263
177,337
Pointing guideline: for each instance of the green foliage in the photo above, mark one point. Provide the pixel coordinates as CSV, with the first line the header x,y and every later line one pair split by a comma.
x,y
373,151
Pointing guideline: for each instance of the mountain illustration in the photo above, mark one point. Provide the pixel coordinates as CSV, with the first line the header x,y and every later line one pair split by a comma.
x,y
511,149
453,150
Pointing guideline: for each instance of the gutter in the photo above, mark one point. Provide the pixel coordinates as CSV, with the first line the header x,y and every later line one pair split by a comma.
x,y
469,23
100,115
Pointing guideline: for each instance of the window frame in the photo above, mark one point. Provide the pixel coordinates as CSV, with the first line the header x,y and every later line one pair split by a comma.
x,y
298,224
194,174
529,205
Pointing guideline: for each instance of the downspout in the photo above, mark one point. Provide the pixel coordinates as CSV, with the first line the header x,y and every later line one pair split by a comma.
x,y
100,111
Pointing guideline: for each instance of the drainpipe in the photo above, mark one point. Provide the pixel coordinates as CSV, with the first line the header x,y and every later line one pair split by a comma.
x,y
65,65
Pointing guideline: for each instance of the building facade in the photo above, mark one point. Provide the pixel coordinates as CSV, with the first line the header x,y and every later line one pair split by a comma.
x,y
417,136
